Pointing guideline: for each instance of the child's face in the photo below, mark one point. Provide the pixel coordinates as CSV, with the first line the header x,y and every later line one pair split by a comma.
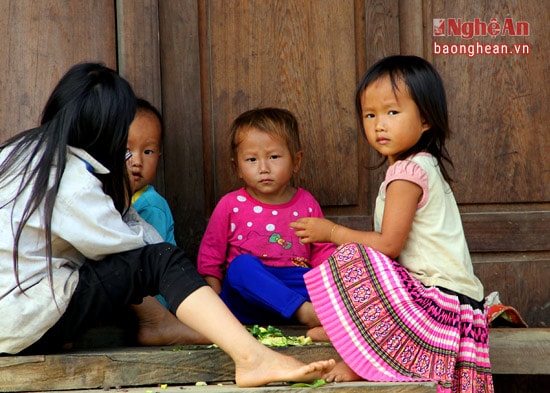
x,y
144,143
391,118
266,165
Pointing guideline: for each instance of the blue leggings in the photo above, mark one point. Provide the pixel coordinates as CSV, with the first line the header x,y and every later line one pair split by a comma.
x,y
259,294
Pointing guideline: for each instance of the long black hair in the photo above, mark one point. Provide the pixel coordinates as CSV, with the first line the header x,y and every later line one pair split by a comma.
x,y
90,108
426,88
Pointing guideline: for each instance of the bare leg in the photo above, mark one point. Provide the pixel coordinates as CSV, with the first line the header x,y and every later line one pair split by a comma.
x,y
158,326
341,373
306,314
318,334
255,364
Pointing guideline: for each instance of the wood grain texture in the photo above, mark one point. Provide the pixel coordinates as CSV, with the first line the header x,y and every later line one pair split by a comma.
x,y
138,50
139,47
182,110
39,41
521,281
507,231
125,367
343,387
520,351
513,351
497,106
298,55
411,31
381,40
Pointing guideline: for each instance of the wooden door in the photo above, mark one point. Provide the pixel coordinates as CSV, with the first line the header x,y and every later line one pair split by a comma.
x,y
40,40
501,143
292,54
307,55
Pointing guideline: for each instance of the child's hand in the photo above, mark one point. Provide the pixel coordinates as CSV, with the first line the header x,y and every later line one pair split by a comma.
x,y
313,229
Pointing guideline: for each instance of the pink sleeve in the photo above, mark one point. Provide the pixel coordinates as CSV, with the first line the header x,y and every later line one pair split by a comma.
x,y
410,171
211,258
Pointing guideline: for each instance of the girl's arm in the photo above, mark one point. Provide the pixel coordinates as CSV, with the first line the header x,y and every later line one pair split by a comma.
x,y
402,198
211,258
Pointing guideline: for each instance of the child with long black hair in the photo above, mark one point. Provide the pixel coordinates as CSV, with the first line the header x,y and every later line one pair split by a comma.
x,y
402,303
67,258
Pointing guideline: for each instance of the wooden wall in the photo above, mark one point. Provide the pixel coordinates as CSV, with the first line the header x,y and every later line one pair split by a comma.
x,y
205,61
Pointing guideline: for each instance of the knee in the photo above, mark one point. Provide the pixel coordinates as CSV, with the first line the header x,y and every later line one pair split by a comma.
x,y
241,267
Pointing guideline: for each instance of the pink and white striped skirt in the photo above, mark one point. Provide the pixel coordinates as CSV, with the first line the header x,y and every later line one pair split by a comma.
x,y
387,326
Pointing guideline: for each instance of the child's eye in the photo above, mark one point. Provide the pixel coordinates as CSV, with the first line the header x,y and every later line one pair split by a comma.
x,y
369,116
275,156
149,151
393,113
250,159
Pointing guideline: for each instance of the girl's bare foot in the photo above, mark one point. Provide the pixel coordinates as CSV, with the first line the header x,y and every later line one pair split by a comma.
x,y
318,334
306,314
158,326
341,373
275,367
255,364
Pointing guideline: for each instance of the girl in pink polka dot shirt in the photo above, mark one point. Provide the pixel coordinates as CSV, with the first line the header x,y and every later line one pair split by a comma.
x,y
249,254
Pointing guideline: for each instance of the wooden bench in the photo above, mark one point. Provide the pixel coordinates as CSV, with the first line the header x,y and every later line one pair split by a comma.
x,y
344,387
513,351
178,367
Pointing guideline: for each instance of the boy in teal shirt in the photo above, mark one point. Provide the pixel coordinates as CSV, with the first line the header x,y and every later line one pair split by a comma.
x,y
144,150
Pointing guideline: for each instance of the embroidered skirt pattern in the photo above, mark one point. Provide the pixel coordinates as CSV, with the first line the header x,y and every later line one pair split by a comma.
x,y
387,326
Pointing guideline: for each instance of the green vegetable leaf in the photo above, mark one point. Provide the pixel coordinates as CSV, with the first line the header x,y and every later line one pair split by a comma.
x,y
274,337
317,383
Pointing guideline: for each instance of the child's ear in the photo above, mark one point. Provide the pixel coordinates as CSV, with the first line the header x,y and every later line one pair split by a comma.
x,y
298,160
425,125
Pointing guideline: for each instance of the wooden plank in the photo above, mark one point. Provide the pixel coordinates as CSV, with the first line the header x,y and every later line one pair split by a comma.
x,y
182,111
295,55
513,351
411,32
39,41
521,281
488,231
138,49
520,351
497,105
508,231
128,367
381,40
345,387
138,55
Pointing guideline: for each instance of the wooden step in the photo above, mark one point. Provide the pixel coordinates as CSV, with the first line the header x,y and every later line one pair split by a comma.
x,y
180,366
344,387
513,351
127,367
521,351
